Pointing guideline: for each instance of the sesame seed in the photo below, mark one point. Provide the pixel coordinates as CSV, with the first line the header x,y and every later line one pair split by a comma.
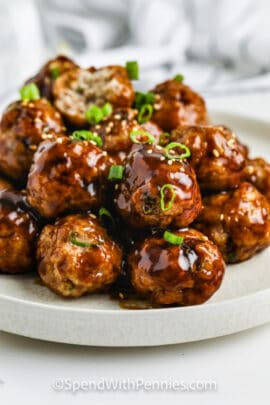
x,y
149,151
121,295
116,186
33,147
170,162
158,147
117,116
215,153
231,142
157,106
97,126
93,216
162,158
221,217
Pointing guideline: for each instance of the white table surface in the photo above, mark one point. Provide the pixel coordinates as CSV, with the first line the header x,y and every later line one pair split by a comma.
x,y
239,364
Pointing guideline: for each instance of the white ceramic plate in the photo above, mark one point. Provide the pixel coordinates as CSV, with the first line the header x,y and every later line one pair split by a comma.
x,y
242,302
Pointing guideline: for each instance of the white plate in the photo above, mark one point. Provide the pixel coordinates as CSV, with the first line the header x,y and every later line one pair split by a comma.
x,y
242,302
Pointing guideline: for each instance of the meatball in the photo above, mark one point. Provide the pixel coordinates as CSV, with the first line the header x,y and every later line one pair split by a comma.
x,y
116,129
186,274
67,175
18,231
76,256
156,191
45,78
237,221
257,172
217,156
78,89
176,104
23,126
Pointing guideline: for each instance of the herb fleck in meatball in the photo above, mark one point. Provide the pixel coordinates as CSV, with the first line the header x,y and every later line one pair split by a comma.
x,y
18,230
76,256
78,89
67,175
176,104
157,191
217,156
45,78
170,274
237,221
24,125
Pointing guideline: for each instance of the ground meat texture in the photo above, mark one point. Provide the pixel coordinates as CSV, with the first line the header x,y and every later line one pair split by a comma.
x,y
45,78
24,125
237,221
67,175
168,274
217,156
71,270
116,129
176,104
139,194
257,172
18,231
78,89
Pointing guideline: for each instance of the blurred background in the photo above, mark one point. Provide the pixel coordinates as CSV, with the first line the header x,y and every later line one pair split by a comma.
x,y
218,45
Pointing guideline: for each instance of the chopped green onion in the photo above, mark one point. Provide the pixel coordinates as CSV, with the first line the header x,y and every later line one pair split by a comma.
x,y
116,172
173,145
54,72
166,206
164,137
143,98
73,237
94,114
145,113
106,109
172,238
141,134
104,212
30,92
179,78
132,68
83,135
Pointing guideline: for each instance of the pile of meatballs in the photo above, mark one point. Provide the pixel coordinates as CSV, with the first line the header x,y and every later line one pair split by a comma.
x,y
103,187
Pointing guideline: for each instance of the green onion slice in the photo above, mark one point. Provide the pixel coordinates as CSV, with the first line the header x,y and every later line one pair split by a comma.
x,y
179,78
141,136
30,92
94,114
174,145
132,68
55,73
143,98
167,205
164,137
106,109
172,238
103,212
83,135
73,237
116,172
145,113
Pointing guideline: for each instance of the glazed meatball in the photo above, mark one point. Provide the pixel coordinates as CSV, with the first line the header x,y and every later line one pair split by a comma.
x,y
76,256
237,221
45,78
67,175
257,172
18,231
156,191
78,89
169,274
24,125
116,129
176,104
217,156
